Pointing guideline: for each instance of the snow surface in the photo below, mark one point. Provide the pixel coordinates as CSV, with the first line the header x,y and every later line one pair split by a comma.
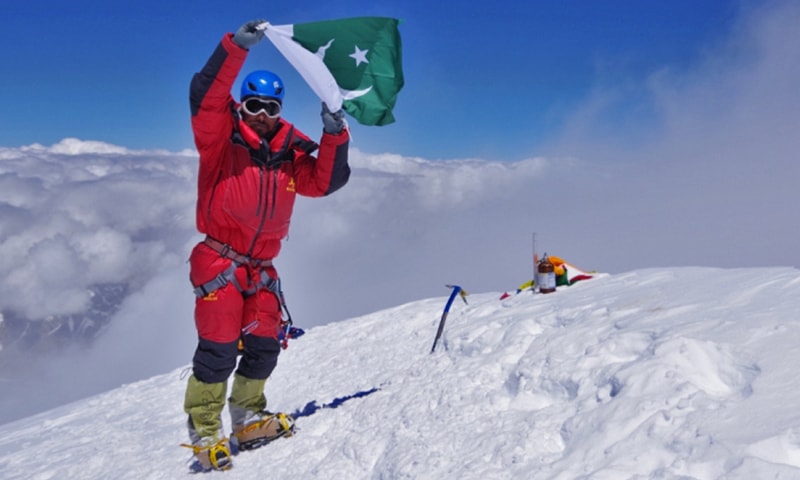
x,y
673,373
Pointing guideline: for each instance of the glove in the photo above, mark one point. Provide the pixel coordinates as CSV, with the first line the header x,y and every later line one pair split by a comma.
x,y
332,122
248,35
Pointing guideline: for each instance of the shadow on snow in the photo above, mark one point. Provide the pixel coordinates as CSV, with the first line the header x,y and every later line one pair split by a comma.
x,y
312,407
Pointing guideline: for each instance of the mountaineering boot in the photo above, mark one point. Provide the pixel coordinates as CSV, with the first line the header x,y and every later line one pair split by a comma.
x,y
210,454
262,428
203,404
253,426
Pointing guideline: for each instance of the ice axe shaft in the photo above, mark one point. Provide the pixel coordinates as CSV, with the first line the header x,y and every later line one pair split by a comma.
x,y
457,290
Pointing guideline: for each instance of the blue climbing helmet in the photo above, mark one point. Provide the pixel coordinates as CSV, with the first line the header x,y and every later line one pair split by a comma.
x,y
262,83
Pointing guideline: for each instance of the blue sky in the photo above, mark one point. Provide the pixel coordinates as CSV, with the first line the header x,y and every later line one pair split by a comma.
x,y
492,80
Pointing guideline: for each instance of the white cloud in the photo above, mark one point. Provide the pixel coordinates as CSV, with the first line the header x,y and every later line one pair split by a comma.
x,y
81,213
75,220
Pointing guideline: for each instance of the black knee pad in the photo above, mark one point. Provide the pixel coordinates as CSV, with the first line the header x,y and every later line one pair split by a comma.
x,y
259,357
214,362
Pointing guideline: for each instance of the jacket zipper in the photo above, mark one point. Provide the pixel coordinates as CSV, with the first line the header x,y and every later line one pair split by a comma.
x,y
274,192
213,192
259,212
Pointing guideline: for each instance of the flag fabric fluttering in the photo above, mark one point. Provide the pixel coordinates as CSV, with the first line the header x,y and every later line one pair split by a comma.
x,y
351,63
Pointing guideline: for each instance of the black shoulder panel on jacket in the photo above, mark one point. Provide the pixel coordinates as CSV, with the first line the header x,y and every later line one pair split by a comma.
x,y
341,169
202,80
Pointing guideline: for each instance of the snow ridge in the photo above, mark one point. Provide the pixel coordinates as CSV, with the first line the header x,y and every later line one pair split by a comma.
x,y
671,373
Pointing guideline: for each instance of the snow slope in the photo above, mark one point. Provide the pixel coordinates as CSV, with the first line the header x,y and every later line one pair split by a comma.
x,y
673,373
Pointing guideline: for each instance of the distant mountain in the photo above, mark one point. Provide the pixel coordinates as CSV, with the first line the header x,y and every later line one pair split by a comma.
x,y
20,335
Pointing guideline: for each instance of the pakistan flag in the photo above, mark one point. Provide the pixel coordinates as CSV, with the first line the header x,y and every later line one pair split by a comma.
x,y
351,63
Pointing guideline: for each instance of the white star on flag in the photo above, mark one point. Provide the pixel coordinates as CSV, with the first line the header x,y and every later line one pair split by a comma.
x,y
360,56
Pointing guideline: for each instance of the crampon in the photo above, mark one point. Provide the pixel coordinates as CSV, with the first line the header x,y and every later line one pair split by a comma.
x,y
261,432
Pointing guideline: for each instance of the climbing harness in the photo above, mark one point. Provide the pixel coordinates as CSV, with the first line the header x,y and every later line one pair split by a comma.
x,y
226,251
265,282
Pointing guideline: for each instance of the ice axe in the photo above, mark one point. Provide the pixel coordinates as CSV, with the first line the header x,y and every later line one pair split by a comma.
x,y
457,290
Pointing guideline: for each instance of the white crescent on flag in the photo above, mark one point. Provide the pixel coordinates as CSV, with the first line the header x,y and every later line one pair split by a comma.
x,y
311,67
346,94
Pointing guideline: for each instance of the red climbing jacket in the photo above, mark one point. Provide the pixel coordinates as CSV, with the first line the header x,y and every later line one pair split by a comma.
x,y
246,187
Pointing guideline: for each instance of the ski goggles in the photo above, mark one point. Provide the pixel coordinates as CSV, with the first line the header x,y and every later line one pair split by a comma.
x,y
254,106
